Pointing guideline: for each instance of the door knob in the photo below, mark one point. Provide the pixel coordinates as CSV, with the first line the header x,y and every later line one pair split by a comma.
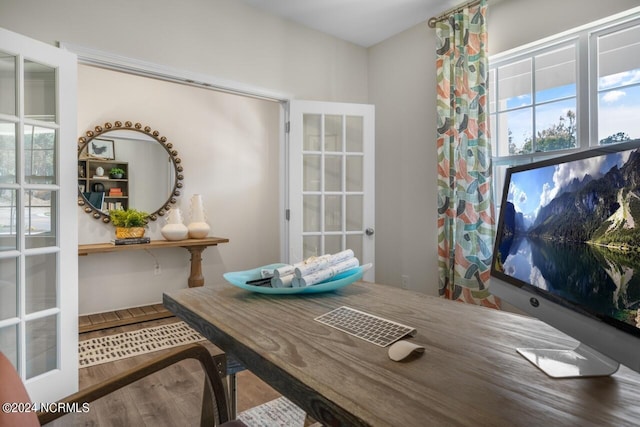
x,y
369,231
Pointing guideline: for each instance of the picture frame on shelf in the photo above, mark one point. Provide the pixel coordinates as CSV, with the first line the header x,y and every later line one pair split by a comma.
x,y
102,148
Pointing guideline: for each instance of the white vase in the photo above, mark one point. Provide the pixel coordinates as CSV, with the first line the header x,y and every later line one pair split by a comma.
x,y
174,229
198,227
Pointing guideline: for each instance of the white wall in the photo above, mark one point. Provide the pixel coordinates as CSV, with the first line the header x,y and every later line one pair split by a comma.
x,y
402,87
229,147
229,40
222,38
402,79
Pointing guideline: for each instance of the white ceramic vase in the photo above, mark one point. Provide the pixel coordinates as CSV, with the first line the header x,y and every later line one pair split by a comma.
x,y
198,227
174,229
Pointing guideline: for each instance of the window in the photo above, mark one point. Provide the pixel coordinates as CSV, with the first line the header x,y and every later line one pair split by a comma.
x,y
566,93
618,84
534,102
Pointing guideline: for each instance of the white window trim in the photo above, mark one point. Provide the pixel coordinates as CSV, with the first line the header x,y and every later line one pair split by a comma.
x,y
586,106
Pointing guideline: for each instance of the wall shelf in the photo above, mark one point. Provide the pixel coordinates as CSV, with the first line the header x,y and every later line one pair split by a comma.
x,y
114,193
194,246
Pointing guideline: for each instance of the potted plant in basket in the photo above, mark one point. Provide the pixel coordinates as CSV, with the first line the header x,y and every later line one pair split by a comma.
x,y
116,173
129,223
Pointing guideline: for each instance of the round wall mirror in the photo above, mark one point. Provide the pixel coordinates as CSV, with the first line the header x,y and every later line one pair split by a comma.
x,y
126,165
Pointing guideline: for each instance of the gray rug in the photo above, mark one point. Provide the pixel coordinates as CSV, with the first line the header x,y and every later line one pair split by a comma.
x,y
280,412
109,348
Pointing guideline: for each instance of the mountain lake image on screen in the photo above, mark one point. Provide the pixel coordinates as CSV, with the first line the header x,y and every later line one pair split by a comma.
x,y
568,252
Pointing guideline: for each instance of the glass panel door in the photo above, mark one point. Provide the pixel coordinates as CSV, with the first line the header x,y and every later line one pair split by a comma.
x,y
331,180
38,314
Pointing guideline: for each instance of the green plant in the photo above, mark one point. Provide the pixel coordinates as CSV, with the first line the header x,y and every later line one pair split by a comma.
x,y
128,218
116,171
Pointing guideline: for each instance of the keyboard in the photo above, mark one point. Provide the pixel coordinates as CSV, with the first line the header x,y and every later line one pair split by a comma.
x,y
368,327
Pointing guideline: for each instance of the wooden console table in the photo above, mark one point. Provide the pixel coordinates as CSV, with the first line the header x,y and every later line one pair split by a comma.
x,y
194,246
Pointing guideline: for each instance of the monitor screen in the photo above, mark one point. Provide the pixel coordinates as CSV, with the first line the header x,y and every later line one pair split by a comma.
x,y
569,235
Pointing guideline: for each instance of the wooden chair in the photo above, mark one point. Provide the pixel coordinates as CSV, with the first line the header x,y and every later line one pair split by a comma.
x,y
215,407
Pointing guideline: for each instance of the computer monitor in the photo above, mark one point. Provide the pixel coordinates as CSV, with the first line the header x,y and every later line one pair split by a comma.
x,y
567,251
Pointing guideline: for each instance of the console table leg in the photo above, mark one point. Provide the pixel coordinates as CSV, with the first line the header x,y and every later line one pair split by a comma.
x,y
196,278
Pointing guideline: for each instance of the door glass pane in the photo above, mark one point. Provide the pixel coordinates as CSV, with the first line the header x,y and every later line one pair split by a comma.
x,y
333,133
311,246
354,173
333,173
39,155
39,218
8,288
40,281
333,213
7,84
8,158
354,213
332,244
41,345
311,173
311,213
9,343
8,220
39,91
355,134
312,128
354,242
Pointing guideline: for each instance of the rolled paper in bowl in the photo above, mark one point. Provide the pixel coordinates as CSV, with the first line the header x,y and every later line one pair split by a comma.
x,y
266,272
306,269
321,263
326,274
283,271
282,282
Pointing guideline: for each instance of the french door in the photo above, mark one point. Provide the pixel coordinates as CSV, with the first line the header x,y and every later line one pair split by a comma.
x,y
38,227
331,180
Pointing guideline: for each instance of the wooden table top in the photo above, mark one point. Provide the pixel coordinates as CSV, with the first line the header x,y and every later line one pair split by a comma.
x,y
469,374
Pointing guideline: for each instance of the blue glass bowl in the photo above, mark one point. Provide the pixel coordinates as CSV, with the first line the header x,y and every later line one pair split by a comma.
x,y
240,278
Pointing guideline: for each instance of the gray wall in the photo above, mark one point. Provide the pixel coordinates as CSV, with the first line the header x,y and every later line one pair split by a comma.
x,y
229,145
402,79
229,40
222,38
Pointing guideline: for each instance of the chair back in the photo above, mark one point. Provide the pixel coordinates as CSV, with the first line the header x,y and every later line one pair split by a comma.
x,y
13,393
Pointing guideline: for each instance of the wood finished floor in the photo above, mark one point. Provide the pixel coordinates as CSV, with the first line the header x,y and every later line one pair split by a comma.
x,y
169,398
111,319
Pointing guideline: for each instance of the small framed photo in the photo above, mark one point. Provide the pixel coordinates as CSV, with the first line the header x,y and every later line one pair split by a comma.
x,y
103,148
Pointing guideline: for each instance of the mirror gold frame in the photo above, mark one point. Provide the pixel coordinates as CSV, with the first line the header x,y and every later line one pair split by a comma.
x,y
83,142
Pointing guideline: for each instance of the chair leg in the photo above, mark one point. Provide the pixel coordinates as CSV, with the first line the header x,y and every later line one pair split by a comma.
x,y
233,395
208,414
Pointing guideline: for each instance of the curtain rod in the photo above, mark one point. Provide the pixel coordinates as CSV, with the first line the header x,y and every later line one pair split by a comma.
x,y
432,21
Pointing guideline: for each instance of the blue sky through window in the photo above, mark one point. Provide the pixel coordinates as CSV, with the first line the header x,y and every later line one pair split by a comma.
x,y
618,108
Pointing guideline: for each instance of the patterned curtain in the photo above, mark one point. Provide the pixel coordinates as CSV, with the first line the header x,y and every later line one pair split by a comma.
x,y
465,205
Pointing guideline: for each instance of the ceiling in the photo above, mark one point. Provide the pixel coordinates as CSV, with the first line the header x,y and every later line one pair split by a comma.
x,y
363,22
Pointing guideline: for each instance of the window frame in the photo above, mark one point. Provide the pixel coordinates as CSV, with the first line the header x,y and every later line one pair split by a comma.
x,y
586,39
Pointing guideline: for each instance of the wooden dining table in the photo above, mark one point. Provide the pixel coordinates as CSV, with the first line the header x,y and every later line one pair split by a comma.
x,y
469,374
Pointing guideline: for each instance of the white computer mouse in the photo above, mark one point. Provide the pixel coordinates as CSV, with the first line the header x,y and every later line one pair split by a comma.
x,y
400,350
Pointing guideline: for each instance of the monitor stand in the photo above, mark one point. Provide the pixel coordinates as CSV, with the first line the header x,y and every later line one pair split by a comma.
x,y
581,362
